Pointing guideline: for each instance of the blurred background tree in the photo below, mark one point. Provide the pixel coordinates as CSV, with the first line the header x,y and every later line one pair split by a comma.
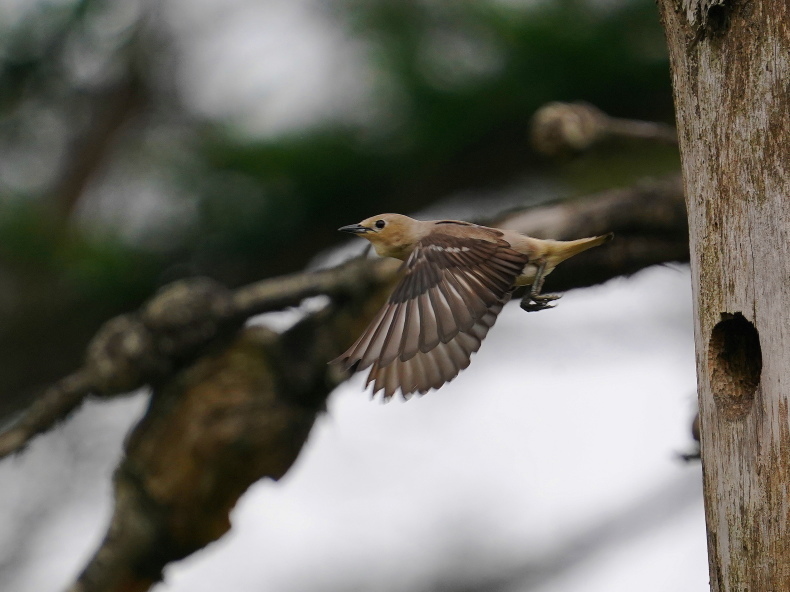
x,y
147,141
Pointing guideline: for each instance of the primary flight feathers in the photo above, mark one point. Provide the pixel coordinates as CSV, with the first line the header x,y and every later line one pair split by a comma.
x,y
457,277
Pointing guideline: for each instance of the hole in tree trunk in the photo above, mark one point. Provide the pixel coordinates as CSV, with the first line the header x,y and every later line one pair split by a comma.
x,y
735,361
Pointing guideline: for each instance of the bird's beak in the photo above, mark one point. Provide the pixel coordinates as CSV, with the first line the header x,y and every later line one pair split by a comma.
x,y
354,229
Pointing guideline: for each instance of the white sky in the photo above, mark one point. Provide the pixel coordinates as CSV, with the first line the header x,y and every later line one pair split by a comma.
x,y
562,433
272,67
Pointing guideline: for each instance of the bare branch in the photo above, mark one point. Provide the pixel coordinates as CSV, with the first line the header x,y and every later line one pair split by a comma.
x,y
208,435
178,323
111,108
235,416
145,348
279,293
694,454
231,406
562,128
649,222
54,404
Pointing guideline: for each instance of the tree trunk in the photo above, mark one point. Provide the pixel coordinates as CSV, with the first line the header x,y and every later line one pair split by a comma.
x,y
730,71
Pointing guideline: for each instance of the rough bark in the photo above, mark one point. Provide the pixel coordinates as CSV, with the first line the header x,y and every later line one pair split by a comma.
x,y
730,70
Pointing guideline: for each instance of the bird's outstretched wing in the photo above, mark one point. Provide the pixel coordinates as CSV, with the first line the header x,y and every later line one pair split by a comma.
x,y
437,316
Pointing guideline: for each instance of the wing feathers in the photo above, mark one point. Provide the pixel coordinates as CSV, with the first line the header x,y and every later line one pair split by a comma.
x,y
438,314
432,369
357,351
429,331
411,332
373,350
461,313
392,343
444,315
471,292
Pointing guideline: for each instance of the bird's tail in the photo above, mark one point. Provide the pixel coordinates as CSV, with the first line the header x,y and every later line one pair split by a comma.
x,y
559,251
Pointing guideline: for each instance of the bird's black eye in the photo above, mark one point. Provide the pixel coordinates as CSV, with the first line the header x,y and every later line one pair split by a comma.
x,y
380,223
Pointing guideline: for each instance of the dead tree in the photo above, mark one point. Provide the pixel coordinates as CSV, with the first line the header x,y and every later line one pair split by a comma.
x,y
730,70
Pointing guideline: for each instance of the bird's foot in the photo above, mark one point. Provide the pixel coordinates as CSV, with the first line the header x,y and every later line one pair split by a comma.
x,y
538,302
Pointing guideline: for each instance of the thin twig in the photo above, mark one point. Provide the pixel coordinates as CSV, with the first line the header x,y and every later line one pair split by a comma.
x,y
566,128
278,293
54,404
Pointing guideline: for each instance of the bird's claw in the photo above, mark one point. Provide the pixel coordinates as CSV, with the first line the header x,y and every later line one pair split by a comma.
x,y
538,302
532,306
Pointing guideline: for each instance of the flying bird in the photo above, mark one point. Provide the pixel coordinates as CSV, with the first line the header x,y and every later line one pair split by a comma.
x,y
457,277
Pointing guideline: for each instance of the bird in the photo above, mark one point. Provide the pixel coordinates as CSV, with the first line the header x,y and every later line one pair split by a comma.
x,y
457,277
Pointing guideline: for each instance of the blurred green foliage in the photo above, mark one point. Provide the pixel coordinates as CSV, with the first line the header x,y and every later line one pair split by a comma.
x,y
454,128
456,83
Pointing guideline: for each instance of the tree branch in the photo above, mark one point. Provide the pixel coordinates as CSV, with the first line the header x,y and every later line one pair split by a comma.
x,y
176,325
110,109
649,222
172,329
230,406
563,128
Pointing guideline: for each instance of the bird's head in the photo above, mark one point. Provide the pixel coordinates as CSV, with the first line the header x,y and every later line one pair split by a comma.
x,y
392,235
